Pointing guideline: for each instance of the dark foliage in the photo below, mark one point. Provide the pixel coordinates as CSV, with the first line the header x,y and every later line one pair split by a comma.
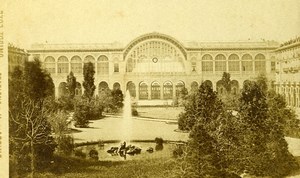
x,y
226,81
229,142
65,144
202,105
117,98
71,85
88,83
31,143
134,112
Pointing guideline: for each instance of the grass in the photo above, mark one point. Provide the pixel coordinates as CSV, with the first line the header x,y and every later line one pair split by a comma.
x,y
75,167
168,113
71,167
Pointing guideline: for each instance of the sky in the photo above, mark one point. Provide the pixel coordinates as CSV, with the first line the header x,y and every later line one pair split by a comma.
x,y
107,21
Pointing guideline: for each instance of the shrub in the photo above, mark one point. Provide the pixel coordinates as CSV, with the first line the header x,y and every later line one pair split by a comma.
x,y
93,154
179,150
79,153
81,115
95,112
134,112
65,144
159,140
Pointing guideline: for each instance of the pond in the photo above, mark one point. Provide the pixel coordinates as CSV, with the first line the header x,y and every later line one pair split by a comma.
x,y
158,152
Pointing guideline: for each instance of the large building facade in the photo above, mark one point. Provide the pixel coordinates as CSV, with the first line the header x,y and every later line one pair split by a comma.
x,y
16,57
288,71
155,67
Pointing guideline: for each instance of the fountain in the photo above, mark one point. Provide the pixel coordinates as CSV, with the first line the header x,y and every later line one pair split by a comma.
x,y
126,127
126,132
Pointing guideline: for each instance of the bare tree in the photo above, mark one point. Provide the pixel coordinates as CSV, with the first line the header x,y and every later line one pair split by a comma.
x,y
33,129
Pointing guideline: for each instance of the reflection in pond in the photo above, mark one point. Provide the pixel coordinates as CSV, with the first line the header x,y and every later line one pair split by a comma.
x,y
133,151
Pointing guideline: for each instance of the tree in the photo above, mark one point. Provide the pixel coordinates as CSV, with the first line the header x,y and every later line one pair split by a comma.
x,y
59,123
202,106
229,99
250,138
182,95
262,82
117,99
38,83
226,82
71,85
202,110
262,147
88,83
281,120
105,99
81,114
30,139
202,154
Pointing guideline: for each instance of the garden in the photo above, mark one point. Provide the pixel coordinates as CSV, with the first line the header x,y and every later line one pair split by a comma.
x,y
210,135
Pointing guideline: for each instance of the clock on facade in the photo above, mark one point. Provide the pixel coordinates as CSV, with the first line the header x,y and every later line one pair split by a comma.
x,y
154,60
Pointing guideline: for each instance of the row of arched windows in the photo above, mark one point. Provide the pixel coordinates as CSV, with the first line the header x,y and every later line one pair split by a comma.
x,y
76,64
234,64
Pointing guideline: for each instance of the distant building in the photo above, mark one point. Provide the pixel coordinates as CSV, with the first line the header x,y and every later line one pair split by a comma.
x,y
155,67
16,57
288,71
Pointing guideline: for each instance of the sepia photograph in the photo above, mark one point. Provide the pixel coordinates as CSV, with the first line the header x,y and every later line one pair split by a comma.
x,y
150,89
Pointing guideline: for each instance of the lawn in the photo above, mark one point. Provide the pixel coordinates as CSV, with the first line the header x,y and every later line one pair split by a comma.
x,y
167,113
74,168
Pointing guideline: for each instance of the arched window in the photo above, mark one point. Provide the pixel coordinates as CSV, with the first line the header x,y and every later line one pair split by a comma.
x,y
116,67
179,87
247,63
194,64
102,87
233,63
260,63
49,64
102,65
234,84
116,86
62,65
62,89
89,58
131,88
155,90
220,88
207,63
168,90
78,90
143,90
208,82
76,65
194,86
220,63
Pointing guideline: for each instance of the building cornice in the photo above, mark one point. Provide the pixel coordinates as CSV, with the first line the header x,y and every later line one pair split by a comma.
x,y
230,49
287,47
73,50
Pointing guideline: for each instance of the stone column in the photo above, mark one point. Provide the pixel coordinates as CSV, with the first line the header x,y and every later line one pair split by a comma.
x,y
56,68
174,91
137,92
70,69
162,92
253,66
214,66
56,90
149,92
